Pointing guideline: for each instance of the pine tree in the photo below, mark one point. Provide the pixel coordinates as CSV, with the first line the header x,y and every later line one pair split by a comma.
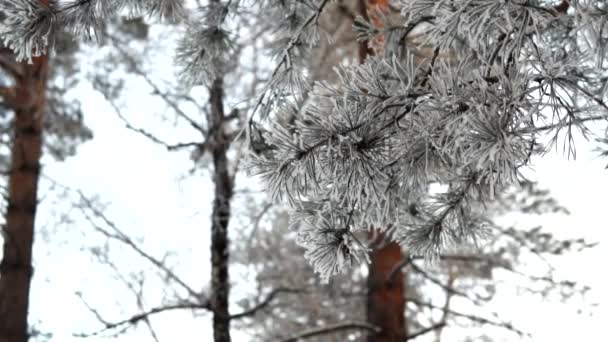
x,y
386,288
210,122
28,102
459,99
33,109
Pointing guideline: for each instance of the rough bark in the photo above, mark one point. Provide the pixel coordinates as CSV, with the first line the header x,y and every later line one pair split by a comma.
x,y
220,285
27,99
385,297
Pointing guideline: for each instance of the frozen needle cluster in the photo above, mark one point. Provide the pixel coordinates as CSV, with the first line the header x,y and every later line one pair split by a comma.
x,y
456,99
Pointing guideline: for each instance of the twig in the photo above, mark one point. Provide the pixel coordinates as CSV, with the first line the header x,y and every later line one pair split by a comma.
x,y
133,320
426,330
285,59
258,219
122,237
448,288
472,318
150,136
269,298
448,302
332,329
155,87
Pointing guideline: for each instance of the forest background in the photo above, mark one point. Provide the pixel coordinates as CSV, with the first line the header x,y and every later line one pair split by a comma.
x,y
159,199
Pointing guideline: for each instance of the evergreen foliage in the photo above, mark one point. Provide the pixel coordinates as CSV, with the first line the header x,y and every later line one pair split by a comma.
x,y
470,280
459,96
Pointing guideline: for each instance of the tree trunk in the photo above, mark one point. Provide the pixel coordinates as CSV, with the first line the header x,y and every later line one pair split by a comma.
x,y
28,101
386,294
220,285
385,297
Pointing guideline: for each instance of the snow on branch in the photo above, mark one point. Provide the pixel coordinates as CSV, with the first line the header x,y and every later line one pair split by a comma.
x,y
460,101
30,26
204,50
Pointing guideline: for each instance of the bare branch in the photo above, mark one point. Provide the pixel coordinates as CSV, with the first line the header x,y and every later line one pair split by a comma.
x,y
332,329
446,306
258,219
151,136
143,316
448,288
138,293
472,318
266,302
156,89
426,330
119,235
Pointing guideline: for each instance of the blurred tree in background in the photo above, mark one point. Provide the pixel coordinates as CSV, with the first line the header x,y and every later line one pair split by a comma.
x,y
37,119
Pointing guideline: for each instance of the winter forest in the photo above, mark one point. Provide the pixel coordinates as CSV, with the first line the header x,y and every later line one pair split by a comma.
x,y
303,170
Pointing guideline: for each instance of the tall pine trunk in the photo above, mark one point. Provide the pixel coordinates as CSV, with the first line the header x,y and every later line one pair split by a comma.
x,y
220,281
385,282
28,100
386,294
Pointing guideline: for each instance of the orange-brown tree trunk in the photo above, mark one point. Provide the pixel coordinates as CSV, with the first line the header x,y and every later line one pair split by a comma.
x,y
386,294
28,100
385,297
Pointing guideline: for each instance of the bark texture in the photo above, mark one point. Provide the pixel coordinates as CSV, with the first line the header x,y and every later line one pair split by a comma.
x,y
27,99
386,295
220,281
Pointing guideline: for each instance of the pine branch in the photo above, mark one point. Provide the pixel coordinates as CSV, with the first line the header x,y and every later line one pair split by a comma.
x,y
286,59
562,124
